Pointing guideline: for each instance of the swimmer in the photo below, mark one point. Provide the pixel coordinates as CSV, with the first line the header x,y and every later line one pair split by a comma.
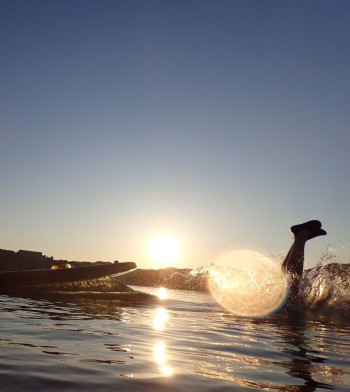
x,y
293,265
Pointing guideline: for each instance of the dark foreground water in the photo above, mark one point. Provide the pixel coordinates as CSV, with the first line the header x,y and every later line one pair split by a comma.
x,y
183,343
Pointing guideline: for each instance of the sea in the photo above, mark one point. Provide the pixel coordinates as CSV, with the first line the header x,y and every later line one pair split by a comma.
x,y
157,339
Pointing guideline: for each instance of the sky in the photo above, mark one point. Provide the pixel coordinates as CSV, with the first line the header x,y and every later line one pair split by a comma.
x,y
220,123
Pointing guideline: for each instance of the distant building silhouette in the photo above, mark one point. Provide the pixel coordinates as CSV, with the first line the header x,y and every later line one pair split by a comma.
x,y
30,253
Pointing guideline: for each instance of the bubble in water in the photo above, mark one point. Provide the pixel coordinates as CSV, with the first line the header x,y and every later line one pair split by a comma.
x,y
247,283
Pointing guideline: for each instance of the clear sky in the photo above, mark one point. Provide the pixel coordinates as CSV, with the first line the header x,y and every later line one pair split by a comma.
x,y
221,123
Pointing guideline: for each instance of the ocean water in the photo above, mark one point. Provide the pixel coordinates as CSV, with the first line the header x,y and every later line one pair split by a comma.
x,y
99,341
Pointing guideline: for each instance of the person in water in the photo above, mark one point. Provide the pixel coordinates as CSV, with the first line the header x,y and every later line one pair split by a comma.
x,y
293,264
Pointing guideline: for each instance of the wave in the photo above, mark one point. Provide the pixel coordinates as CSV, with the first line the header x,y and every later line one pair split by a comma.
x,y
327,287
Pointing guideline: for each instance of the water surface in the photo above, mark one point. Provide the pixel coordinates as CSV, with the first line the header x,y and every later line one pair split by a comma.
x,y
183,343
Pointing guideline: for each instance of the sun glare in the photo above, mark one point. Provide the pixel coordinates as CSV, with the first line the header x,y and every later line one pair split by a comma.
x,y
164,249
247,283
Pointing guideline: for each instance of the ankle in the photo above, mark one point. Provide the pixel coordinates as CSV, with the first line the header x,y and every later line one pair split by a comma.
x,y
302,235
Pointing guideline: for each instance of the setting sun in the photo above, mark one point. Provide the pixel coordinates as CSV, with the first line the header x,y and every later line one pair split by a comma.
x,y
164,249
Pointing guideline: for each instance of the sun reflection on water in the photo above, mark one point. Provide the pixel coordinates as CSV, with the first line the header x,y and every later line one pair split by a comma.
x,y
160,318
160,357
162,293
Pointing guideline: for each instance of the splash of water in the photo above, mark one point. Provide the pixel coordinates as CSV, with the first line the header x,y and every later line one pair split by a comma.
x,y
326,287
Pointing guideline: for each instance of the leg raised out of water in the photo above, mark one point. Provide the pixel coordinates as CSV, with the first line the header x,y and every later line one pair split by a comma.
x,y
293,264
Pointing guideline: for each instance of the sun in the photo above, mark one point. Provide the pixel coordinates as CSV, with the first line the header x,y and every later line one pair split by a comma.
x,y
164,249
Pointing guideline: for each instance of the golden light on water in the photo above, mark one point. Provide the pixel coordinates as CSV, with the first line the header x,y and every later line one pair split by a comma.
x,y
159,353
162,293
160,318
161,358
247,283
164,249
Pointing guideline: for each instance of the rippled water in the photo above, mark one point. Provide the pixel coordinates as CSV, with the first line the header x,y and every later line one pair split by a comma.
x,y
186,342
